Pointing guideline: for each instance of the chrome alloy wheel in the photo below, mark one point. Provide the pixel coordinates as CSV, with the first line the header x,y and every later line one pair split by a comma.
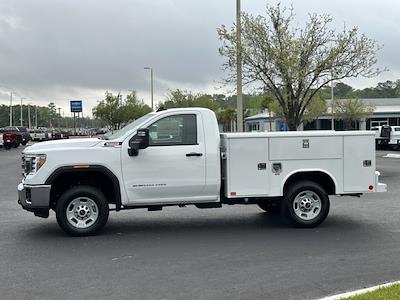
x,y
307,205
82,212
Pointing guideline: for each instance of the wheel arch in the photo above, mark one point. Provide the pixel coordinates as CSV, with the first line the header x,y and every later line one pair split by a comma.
x,y
66,175
322,177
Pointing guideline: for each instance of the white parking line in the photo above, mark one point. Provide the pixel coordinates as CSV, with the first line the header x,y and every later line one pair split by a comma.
x,y
359,292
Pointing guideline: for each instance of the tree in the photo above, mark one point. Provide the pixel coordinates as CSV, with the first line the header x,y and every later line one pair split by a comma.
x,y
316,108
342,90
114,111
108,111
178,98
292,63
133,108
52,113
226,117
352,110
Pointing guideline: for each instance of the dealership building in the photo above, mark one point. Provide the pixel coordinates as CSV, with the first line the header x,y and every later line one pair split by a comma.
x,y
386,112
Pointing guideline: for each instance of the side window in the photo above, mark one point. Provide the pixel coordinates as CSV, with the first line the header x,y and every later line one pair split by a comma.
x,y
174,130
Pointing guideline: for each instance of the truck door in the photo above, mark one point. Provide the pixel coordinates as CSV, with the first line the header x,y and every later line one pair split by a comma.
x,y
173,167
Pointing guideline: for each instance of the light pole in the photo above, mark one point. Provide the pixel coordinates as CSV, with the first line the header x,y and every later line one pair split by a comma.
x,y
29,115
11,110
151,83
21,111
239,96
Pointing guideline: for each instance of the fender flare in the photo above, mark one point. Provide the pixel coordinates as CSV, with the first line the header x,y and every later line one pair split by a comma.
x,y
307,171
98,168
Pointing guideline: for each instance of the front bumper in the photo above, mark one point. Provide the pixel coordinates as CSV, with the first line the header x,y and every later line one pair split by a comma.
x,y
35,198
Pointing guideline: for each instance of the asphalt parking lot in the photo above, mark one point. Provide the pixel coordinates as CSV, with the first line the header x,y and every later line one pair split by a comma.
x,y
185,253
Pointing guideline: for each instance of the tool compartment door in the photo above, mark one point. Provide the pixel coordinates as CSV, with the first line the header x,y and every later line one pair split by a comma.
x,y
247,167
358,174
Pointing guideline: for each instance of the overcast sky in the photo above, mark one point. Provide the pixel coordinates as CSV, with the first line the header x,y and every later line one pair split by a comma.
x,y
53,50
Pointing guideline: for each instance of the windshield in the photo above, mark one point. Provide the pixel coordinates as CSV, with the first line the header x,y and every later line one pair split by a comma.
x,y
130,126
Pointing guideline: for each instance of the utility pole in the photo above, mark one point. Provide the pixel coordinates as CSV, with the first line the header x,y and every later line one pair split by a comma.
x,y
239,96
11,110
21,112
36,117
29,115
151,86
332,108
59,117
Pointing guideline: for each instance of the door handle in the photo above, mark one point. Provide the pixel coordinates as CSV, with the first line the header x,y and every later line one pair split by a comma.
x,y
194,154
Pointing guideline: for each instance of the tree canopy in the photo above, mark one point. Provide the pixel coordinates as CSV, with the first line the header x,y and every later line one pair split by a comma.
x,y
352,110
294,64
114,112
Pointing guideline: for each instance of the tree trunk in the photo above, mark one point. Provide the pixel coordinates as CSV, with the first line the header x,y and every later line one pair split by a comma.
x,y
291,121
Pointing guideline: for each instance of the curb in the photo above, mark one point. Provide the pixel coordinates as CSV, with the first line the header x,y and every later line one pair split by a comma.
x,y
360,292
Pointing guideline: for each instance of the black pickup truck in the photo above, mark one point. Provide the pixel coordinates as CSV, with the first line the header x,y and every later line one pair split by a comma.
x,y
23,136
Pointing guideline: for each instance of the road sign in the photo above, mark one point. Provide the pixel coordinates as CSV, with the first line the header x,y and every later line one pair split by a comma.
x,y
76,106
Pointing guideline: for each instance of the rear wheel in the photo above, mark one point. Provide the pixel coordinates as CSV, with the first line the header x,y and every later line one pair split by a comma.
x,y
306,204
82,210
7,146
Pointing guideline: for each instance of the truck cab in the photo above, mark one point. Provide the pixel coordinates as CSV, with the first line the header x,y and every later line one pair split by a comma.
x,y
178,157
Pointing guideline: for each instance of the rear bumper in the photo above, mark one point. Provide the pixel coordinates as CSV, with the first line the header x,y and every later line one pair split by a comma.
x,y
35,198
379,186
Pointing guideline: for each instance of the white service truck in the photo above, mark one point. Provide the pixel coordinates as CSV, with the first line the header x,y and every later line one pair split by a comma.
x,y
178,157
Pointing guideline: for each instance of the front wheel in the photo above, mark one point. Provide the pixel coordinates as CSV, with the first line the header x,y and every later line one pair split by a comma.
x,y
82,210
306,204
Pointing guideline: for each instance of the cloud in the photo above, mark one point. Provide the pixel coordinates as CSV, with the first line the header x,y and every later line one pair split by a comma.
x,y
54,50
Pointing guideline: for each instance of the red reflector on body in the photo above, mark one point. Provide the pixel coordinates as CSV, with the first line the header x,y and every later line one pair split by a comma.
x,y
371,187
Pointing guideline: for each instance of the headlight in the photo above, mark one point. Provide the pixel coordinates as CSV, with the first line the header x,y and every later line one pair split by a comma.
x,y
40,160
32,163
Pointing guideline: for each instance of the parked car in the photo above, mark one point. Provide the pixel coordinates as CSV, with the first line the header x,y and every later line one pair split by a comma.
x,y
39,135
387,137
9,139
23,136
65,134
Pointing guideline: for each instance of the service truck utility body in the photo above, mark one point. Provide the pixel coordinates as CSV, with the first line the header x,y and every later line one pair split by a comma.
x,y
348,158
178,157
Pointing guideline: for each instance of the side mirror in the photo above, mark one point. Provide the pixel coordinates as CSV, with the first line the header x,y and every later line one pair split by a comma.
x,y
139,141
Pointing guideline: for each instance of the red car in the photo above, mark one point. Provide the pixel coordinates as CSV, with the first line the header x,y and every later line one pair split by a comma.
x,y
9,139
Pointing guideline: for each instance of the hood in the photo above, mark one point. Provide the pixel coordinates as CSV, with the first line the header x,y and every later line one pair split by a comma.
x,y
62,144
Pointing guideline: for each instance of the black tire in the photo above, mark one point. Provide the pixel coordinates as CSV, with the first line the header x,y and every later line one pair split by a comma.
x,y
16,145
65,202
295,190
24,143
269,208
7,146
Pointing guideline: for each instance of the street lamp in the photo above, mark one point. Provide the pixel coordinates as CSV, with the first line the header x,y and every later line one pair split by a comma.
x,y
21,110
151,82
